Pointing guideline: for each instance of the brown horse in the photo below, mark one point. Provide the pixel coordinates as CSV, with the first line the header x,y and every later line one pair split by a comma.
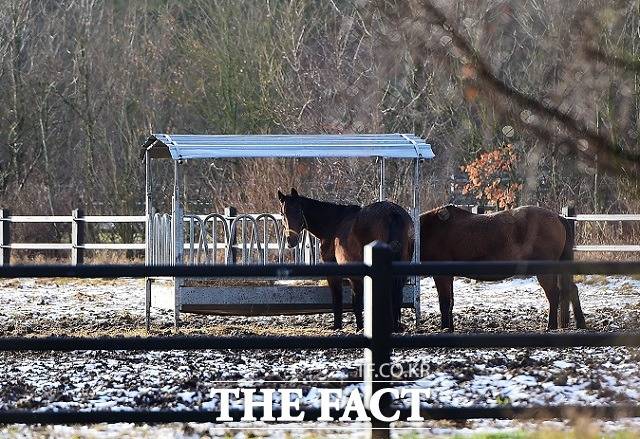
x,y
449,233
343,231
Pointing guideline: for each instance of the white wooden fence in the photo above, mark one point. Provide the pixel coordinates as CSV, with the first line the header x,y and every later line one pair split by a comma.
x,y
77,246
617,217
78,222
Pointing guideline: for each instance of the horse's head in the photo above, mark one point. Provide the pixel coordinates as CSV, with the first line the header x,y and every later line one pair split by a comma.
x,y
292,216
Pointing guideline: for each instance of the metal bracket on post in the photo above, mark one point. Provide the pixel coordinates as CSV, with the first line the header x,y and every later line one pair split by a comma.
x,y
378,321
78,227
5,237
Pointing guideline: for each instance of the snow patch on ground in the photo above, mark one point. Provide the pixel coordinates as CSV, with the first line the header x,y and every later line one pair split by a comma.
x,y
184,380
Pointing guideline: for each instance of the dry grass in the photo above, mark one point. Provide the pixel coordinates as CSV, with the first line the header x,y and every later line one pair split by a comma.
x,y
235,282
607,256
93,257
581,429
591,279
627,288
66,281
13,431
135,328
9,283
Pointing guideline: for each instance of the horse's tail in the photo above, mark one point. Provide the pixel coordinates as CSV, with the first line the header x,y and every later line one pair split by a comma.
x,y
397,236
565,279
570,240
398,241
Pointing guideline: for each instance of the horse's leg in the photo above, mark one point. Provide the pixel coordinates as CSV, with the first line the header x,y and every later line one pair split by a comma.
x,y
396,300
357,299
549,283
571,292
335,283
444,285
564,308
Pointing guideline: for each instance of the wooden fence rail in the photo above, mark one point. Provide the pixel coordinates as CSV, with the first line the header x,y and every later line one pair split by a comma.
x,y
77,246
78,220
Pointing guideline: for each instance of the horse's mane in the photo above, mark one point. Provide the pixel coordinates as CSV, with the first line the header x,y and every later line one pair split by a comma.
x,y
328,204
453,210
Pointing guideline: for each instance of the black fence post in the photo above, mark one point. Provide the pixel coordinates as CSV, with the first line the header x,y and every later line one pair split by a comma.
x,y
231,213
77,237
5,237
569,212
378,324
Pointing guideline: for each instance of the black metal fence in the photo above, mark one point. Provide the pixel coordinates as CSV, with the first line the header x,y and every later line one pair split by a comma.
x,y
377,339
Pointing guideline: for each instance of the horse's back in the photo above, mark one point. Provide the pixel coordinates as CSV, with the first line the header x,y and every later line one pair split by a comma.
x,y
527,232
383,209
382,221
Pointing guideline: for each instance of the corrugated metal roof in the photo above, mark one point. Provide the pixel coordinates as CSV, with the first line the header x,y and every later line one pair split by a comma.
x,y
189,146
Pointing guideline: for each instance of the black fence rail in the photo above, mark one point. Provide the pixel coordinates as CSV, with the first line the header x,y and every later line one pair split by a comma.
x,y
377,339
312,414
290,271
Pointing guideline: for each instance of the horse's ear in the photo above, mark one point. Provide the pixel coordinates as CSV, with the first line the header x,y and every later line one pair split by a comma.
x,y
294,192
281,196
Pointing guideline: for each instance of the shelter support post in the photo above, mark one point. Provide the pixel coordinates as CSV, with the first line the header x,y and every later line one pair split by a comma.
x,y
383,192
148,210
177,232
147,303
416,237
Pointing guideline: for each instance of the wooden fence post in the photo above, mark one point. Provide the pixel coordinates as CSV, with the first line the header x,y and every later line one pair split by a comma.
x,y
231,212
5,237
378,309
78,227
477,209
568,212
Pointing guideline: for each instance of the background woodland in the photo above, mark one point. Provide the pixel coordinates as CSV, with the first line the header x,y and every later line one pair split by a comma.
x,y
524,102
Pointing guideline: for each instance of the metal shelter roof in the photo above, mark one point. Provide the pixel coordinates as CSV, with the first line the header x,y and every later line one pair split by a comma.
x,y
190,146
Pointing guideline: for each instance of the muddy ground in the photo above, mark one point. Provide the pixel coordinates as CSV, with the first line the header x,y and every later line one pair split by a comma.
x,y
182,380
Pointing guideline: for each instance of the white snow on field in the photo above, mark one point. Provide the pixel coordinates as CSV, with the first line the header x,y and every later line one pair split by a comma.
x,y
183,380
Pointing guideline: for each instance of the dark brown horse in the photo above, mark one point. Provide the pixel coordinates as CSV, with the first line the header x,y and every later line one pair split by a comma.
x,y
343,231
449,233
